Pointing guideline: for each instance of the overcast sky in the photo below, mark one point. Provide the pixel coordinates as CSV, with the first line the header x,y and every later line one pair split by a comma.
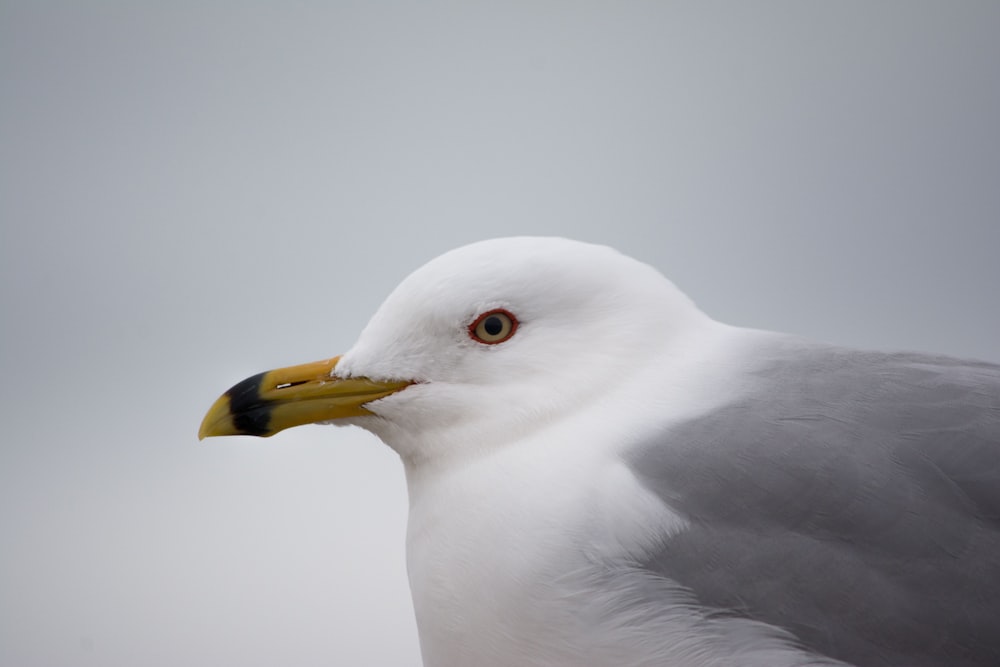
x,y
191,192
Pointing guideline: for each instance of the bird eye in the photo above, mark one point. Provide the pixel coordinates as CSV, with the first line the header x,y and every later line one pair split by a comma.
x,y
493,327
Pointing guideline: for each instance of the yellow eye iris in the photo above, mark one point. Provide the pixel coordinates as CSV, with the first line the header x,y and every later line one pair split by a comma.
x,y
493,327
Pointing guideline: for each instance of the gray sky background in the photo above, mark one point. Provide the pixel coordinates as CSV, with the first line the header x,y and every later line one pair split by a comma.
x,y
194,192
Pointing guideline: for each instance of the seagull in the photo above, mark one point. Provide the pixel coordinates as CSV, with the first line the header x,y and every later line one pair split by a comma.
x,y
600,474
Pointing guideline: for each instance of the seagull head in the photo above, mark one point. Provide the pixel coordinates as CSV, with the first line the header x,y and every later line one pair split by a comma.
x,y
477,347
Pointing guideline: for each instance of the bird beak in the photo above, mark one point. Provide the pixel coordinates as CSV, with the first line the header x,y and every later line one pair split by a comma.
x,y
273,401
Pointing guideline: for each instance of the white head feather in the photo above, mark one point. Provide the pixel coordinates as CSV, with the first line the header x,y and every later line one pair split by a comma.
x,y
587,315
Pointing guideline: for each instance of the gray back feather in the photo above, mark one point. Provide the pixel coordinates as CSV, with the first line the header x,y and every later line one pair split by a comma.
x,y
852,498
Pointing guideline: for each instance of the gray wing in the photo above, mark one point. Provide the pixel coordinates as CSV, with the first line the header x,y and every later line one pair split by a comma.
x,y
853,499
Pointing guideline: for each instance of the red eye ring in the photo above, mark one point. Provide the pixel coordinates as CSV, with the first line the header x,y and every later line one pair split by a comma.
x,y
493,327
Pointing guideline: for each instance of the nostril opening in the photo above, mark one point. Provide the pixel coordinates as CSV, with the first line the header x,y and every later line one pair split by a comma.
x,y
286,385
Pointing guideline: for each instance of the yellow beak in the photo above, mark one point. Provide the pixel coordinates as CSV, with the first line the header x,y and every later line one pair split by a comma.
x,y
275,400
